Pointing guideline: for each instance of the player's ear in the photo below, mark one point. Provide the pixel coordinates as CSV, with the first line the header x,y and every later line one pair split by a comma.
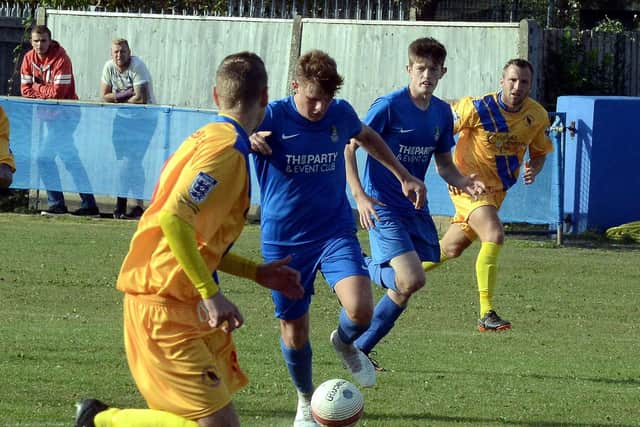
x,y
264,98
295,86
216,98
444,71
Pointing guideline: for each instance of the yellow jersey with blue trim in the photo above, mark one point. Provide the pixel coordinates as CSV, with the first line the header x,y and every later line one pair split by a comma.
x,y
6,157
206,183
493,141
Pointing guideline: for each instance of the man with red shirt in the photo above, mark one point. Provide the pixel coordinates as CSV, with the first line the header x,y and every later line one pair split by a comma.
x,y
47,73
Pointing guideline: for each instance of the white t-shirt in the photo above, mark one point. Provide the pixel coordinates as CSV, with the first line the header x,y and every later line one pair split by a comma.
x,y
135,75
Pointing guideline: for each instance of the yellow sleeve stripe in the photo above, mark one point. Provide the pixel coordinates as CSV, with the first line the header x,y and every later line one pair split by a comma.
x,y
182,240
238,266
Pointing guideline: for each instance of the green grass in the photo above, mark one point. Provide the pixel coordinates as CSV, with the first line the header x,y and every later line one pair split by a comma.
x,y
571,358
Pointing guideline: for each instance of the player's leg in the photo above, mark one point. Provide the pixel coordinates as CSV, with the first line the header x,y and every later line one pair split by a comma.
x,y
294,324
486,224
114,417
409,278
343,268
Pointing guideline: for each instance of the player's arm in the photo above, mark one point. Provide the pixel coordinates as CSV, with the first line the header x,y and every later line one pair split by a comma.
x,y
452,176
364,203
532,168
373,143
274,275
7,163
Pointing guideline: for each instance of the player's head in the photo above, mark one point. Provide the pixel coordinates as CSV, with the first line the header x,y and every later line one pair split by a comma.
x,y
516,81
316,83
426,66
241,86
120,53
40,39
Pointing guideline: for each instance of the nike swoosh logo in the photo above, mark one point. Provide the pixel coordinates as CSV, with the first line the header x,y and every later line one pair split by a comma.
x,y
285,137
406,130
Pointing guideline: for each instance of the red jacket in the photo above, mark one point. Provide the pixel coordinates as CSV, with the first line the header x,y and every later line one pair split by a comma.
x,y
50,77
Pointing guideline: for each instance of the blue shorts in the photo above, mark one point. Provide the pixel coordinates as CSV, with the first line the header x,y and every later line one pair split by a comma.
x,y
396,234
336,258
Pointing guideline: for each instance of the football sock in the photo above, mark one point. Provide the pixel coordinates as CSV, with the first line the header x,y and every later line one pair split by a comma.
x,y
299,365
114,417
348,330
430,265
382,275
486,271
385,315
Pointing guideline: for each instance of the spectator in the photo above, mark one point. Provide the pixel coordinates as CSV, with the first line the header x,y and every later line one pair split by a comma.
x,y
7,163
47,73
126,79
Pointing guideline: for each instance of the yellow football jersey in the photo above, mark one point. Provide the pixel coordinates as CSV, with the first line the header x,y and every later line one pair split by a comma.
x,y
493,141
5,153
206,183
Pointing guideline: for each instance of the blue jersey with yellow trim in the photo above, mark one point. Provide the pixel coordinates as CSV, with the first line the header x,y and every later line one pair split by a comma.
x,y
303,182
493,141
413,135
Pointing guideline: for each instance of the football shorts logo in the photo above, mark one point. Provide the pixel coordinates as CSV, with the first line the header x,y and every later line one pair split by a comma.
x,y
201,187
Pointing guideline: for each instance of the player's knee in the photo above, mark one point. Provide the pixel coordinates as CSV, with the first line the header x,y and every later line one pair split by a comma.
x,y
361,315
225,417
294,338
410,285
453,250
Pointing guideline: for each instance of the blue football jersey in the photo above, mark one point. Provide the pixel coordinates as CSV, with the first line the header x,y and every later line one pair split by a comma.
x,y
303,182
413,135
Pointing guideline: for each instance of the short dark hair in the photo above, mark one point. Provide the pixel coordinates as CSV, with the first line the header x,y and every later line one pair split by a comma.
x,y
41,29
241,79
518,62
319,68
427,47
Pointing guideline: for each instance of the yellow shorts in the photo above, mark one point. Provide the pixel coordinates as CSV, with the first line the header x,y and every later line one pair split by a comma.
x,y
465,204
178,362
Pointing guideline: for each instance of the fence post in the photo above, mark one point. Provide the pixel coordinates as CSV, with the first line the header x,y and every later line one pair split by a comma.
x,y
294,49
41,16
530,47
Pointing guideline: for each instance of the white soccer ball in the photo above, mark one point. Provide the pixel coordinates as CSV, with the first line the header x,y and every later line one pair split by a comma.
x,y
337,403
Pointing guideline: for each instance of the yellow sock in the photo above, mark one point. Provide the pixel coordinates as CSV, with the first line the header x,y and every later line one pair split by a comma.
x,y
430,265
486,272
114,417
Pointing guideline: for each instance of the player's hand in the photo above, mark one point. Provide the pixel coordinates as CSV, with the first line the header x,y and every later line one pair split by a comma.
x,y
259,142
223,313
415,190
473,186
276,275
529,175
367,212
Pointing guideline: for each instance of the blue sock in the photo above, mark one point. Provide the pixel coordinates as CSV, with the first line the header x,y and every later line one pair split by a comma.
x,y
348,330
384,317
382,275
299,365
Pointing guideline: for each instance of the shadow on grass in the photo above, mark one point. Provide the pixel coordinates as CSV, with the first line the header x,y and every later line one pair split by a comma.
x,y
621,381
419,419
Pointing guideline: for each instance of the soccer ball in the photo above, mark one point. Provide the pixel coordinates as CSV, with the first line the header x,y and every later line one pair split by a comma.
x,y
337,403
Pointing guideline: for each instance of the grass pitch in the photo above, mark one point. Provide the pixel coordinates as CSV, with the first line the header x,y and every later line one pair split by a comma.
x,y
571,358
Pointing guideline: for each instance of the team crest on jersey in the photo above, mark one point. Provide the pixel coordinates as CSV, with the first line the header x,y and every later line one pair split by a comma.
x,y
201,187
334,134
436,134
456,116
